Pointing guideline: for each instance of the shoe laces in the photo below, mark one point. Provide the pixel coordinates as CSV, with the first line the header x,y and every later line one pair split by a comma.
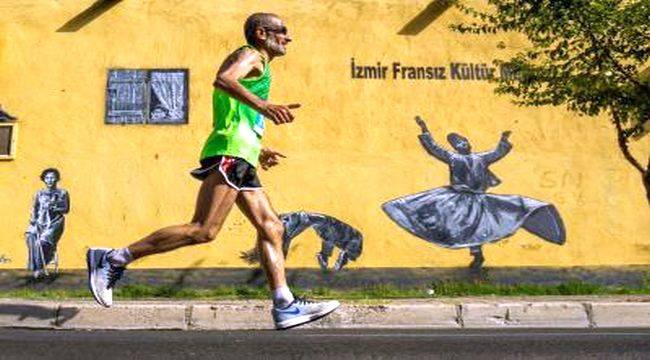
x,y
114,274
302,300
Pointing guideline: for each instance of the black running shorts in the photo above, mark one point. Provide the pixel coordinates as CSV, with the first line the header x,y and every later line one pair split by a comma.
x,y
239,174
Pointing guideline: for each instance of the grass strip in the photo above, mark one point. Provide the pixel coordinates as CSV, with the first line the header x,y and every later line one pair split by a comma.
x,y
435,290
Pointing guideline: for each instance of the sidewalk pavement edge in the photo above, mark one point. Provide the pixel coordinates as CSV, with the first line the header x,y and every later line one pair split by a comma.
x,y
402,314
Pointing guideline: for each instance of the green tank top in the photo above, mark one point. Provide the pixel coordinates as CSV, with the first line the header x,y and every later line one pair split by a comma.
x,y
238,128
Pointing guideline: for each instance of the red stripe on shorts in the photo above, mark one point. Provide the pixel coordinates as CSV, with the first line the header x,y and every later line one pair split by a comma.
x,y
226,163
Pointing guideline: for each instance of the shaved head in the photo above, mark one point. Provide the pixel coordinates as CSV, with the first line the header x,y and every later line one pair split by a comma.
x,y
257,20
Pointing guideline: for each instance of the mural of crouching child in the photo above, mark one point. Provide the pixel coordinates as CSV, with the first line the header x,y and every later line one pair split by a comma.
x,y
333,233
46,223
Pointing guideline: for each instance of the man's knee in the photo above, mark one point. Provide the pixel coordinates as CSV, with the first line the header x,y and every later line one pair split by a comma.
x,y
200,234
272,229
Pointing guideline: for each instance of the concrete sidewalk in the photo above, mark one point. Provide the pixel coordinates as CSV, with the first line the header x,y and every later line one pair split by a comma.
x,y
487,312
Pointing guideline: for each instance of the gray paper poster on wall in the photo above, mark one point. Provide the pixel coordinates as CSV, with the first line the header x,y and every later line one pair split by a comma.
x,y
126,97
168,97
147,96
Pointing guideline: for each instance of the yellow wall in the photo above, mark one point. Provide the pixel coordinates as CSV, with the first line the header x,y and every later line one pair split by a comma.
x,y
352,147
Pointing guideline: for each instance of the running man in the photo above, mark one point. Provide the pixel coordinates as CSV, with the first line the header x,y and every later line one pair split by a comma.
x,y
228,174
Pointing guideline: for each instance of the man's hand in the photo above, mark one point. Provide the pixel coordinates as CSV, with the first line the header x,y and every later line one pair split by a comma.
x,y
279,114
269,158
422,125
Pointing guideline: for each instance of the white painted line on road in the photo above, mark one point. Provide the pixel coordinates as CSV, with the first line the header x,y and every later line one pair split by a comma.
x,y
480,335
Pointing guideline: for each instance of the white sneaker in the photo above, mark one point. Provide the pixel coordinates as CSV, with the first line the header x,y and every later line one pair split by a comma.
x,y
102,276
302,311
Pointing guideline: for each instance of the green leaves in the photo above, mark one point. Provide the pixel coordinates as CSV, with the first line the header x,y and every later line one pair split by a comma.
x,y
586,55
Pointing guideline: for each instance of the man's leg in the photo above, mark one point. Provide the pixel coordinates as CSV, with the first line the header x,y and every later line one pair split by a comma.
x,y
105,266
214,202
257,207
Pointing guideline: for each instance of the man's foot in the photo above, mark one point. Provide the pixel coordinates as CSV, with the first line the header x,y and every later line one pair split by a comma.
x,y
322,261
102,276
302,311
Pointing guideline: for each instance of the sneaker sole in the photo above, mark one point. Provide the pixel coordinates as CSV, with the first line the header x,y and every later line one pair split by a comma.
x,y
90,259
305,319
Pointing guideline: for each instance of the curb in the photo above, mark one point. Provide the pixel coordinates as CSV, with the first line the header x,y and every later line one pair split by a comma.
x,y
255,314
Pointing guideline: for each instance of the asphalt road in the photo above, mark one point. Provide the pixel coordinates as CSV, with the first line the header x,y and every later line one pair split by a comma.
x,y
326,344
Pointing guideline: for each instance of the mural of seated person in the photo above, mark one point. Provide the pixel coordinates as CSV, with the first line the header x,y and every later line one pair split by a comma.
x,y
46,224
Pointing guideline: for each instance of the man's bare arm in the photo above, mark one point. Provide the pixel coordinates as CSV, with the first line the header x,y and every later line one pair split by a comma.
x,y
239,65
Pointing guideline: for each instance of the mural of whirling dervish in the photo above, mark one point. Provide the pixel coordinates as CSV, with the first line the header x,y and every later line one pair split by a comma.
x,y
333,233
463,214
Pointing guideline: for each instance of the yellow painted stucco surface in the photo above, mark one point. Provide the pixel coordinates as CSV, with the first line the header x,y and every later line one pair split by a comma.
x,y
352,147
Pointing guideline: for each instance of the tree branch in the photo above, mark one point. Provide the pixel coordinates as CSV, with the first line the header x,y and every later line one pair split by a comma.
x,y
622,143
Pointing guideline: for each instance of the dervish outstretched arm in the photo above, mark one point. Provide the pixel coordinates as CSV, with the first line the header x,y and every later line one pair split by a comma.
x,y
502,149
429,144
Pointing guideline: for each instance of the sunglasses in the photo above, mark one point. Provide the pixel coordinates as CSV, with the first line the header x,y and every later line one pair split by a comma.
x,y
280,30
